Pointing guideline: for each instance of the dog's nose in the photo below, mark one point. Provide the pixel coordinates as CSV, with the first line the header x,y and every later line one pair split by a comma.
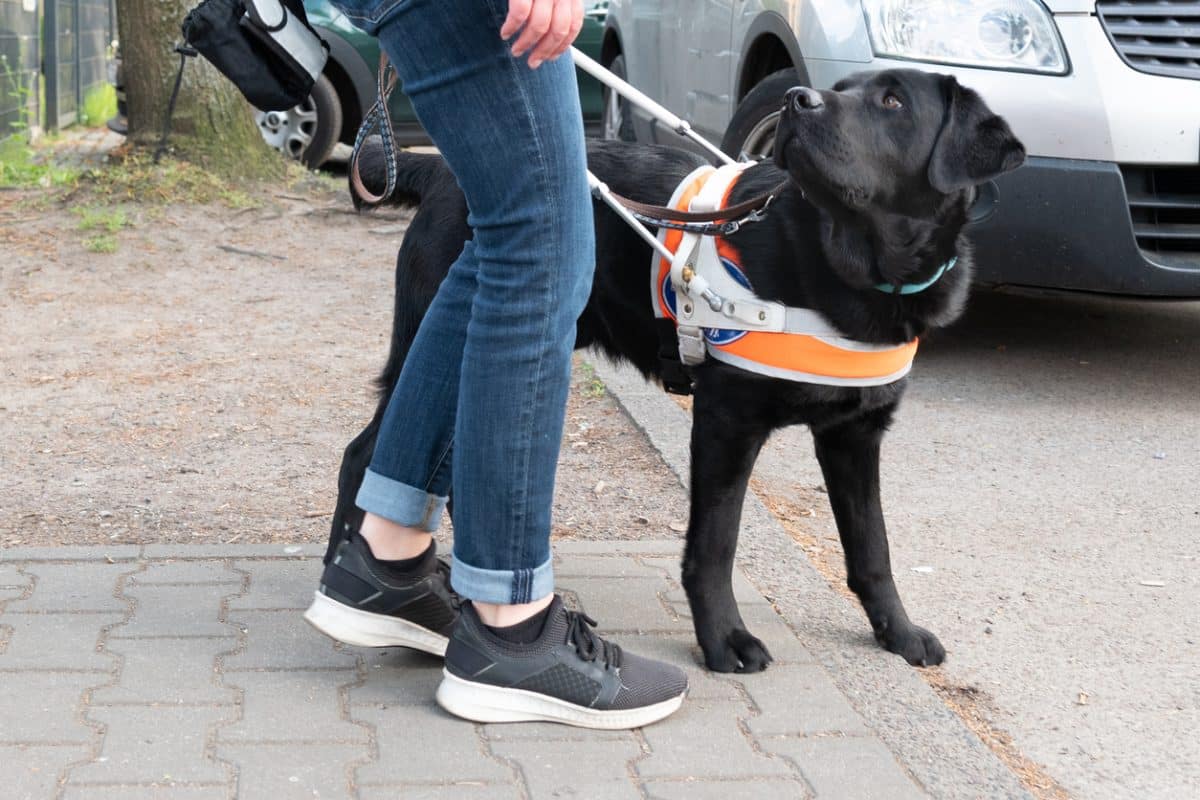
x,y
802,98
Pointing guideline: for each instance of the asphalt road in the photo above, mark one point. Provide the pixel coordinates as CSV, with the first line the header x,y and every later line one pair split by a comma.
x,y
1043,475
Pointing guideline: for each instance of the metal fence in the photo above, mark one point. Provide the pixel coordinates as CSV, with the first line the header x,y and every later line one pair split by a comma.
x,y
53,54
20,57
78,34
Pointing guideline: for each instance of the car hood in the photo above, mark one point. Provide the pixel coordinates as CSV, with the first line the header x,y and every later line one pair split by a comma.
x,y
1071,6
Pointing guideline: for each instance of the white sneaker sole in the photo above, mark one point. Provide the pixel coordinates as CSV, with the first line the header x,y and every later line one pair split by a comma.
x,y
364,629
482,702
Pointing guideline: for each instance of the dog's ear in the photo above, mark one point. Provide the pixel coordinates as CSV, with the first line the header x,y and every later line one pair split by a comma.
x,y
974,144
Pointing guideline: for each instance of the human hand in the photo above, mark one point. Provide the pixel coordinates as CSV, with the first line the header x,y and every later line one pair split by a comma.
x,y
547,27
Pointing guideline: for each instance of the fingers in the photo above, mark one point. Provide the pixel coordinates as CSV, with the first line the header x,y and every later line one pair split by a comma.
x,y
564,27
535,28
547,27
518,13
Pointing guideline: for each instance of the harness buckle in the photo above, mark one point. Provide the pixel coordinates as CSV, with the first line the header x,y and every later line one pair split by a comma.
x,y
692,350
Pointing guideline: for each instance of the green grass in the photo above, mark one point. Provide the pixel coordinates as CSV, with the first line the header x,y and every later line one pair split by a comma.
x,y
104,224
133,180
103,243
592,386
237,199
137,179
109,220
19,169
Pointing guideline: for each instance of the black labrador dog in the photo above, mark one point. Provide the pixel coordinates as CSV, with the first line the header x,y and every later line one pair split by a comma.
x,y
882,171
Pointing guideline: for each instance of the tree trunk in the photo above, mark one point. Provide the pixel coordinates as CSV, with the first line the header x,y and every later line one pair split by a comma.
x,y
212,124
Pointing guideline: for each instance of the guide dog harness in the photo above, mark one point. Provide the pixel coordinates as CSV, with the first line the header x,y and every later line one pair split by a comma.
x,y
704,290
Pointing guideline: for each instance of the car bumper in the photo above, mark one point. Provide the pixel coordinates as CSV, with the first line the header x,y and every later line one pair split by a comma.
x,y
1091,226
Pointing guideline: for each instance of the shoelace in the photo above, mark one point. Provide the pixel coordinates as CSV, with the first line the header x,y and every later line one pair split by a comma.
x,y
443,568
588,643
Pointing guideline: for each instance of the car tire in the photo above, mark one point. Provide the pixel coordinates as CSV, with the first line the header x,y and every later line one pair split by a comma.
x,y
751,132
617,116
309,131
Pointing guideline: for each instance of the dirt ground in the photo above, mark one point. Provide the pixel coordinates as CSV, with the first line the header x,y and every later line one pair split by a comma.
x,y
198,383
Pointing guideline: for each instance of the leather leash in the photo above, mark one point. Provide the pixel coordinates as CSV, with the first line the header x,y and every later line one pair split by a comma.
x,y
754,204
377,116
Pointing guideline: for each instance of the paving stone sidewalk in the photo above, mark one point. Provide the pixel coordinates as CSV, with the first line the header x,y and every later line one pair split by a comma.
x,y
188,672
81,147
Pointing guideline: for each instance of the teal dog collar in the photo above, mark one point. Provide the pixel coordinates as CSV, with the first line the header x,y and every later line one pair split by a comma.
x,y
913,288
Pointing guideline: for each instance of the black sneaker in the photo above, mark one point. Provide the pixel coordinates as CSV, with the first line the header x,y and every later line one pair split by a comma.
x,y
569,675
362,602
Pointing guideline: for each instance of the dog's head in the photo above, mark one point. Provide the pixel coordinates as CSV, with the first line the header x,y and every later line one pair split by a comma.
x,y
897,141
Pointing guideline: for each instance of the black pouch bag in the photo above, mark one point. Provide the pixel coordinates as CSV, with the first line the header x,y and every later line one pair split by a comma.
x,y
266,47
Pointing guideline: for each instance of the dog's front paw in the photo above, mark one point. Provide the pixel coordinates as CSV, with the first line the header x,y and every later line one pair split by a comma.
x,y
736,651
918,646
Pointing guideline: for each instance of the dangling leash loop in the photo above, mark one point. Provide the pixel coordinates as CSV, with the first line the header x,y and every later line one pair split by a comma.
x,y
377,116
185,52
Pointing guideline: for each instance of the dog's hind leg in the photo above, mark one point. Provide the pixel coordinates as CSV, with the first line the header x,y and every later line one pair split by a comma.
x,y
849,458
355,460
723,455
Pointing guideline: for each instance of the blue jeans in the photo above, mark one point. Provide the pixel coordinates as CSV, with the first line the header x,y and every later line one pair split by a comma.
x,y
488,372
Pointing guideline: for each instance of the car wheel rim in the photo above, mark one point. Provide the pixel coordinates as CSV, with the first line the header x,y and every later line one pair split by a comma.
x,y
290,131
760,142
613,117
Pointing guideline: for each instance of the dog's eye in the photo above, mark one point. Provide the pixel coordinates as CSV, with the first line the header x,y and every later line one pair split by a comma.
x,y
890,101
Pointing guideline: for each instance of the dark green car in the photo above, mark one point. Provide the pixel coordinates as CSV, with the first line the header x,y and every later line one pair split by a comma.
x,y
333,111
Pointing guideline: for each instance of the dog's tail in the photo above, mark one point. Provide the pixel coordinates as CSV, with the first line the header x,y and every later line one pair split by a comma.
x,y
415,174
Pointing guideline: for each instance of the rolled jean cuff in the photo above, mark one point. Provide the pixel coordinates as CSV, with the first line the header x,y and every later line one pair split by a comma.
x,y
502,586
402,504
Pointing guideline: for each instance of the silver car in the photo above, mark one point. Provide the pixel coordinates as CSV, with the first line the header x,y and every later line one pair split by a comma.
x,y
1105,96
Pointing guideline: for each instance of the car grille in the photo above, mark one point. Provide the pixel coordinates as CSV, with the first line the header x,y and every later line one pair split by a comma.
x,y
1164,203
1161,37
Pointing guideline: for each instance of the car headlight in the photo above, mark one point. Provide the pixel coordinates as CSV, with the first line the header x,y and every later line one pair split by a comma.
x,y
1000,34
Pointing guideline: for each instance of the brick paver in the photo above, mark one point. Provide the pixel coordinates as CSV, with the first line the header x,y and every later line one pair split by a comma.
x,y
83,147
164,675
